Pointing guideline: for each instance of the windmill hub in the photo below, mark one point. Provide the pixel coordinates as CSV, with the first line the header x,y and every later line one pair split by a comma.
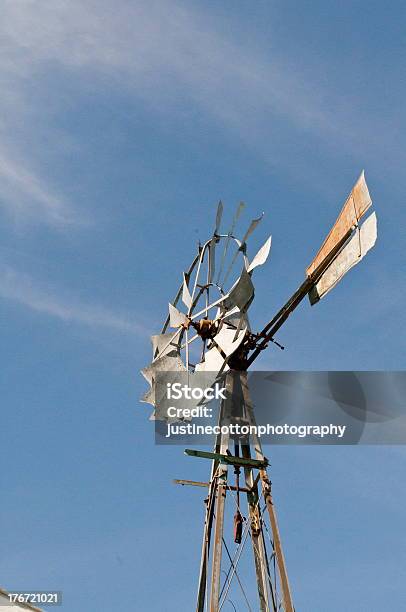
x,y
206,328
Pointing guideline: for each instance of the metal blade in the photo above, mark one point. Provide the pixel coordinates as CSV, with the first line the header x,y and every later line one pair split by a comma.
x,y
252,227
237,214
247,234
164,344
262,255
237,319
213,362
354,208
166,363
218,217
226,340
241,293
212,246
186,297
176,318
362,241
212,260
149,396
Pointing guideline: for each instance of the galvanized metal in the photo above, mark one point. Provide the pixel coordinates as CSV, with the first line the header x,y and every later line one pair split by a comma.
x,y
241,294
227,340
176,318
262,255
186,296
164,344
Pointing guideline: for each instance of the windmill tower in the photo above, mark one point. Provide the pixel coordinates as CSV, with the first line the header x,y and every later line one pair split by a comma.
x,y
213,336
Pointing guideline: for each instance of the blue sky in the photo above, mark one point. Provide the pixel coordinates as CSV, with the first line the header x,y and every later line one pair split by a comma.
x,y
122,124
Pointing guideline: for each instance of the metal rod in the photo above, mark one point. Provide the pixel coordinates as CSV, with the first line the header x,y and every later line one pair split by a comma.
x,y
194,483
280,558
266,488
277,321
220,503
228,459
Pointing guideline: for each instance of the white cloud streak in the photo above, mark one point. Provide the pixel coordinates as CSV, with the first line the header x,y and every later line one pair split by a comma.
x,y
166,54
23,193
20,289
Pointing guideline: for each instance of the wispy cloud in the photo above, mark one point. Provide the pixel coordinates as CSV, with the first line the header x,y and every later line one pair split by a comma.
x,y
25,194
21,289
168,55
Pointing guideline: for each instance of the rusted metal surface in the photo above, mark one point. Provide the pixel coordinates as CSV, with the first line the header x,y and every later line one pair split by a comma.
x,y
361,242
257,536
280,558
258,546
227,459
354,208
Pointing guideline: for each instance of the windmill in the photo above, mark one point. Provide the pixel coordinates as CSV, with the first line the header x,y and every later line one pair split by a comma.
x,y
208,331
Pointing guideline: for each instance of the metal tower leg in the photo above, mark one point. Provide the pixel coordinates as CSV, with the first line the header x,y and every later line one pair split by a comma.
x,y
215,514
258,545
266,485
215,511
211,498
221,486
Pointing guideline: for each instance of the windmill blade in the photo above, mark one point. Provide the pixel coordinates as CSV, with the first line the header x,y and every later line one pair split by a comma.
x,y
212,246
149,397
213,362
241,293
164,364
186,297
353,210
344,247
227,341
262,255
237,319
237,214
164,344
219,216
179,292
176,318
358,246
211,266
252,226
